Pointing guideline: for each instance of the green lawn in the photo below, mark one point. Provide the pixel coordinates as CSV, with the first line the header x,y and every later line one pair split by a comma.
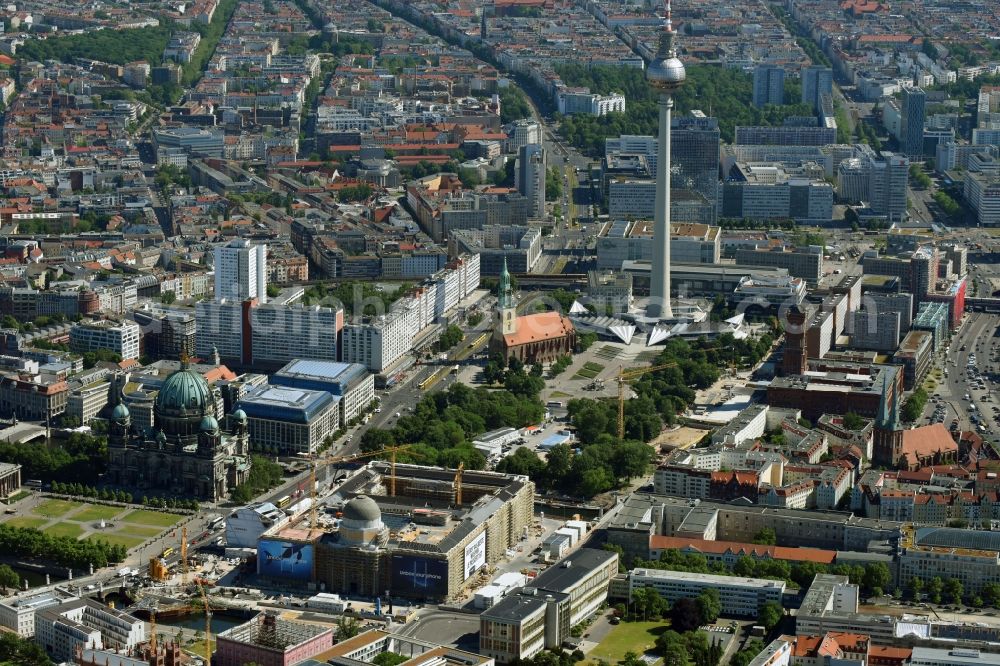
x,y
64,530
559,394
152,518
55,508
26,521
589,370
136,530
93,514
627,637
115,539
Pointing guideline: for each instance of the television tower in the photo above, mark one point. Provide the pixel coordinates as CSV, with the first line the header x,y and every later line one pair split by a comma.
x,y
666,75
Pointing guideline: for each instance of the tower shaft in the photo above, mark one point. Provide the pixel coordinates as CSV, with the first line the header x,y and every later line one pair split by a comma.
x,y
659,285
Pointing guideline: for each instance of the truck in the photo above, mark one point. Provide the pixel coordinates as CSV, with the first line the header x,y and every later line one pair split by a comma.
x,y
125,571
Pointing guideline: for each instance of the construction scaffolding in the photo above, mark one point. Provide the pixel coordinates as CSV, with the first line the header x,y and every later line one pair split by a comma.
x,y
271,631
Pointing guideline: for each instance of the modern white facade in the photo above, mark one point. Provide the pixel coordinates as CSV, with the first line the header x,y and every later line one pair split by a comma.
x,y
739,596
381,342
270,334
18,614
982,191
245,525
86,623
241,271
121,338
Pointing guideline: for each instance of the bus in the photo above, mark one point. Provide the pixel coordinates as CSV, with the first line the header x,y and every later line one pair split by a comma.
x,y
167,552
216,522
284,501
454,369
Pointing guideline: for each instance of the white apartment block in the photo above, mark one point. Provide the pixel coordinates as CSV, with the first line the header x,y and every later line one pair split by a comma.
x,y
219,326
241,271
281,333
86,402
117,298
121,338
748,424
682,481
380,343
739,596
86,624
982,191
18,614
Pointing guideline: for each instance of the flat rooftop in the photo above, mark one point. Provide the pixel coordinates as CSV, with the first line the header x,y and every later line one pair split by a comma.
x,y
313,370
286,403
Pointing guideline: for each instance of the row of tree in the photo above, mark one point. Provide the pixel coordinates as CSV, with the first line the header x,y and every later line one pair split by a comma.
x,y
952,590
913,408
61,550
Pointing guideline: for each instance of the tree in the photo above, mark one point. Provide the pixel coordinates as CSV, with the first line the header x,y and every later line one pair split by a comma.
x,y
853,422
673,647
631,459
553,184
934,588
770,614
765,537
955,590
709,606
685,615
917,586
8,578
389,659
631,659
168,297
347,627
877,575
991,594
747,654
21,651
647,604
914,405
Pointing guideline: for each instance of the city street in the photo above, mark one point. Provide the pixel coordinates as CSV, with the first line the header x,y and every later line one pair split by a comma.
x,y
976,340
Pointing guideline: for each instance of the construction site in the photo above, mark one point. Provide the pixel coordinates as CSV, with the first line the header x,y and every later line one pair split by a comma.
x,y
418,532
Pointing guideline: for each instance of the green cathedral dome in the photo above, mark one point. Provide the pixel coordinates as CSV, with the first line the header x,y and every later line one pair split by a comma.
x,y
184,389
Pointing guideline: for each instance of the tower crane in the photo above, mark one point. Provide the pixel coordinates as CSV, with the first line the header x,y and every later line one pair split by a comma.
x,y
326,460
208,624
628,375
184,556
458,483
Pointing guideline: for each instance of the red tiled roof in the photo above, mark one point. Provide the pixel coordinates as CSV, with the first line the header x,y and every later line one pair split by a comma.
x,y
819,555
538,327
927,440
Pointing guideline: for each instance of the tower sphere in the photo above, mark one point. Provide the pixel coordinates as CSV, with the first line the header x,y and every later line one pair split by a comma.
x,y
666,74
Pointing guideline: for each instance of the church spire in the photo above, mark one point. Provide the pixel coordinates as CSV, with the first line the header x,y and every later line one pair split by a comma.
x,y
888,408
505,293
505,303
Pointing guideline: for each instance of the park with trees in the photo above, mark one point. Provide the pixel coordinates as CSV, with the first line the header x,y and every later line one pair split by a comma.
x,y
725,92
